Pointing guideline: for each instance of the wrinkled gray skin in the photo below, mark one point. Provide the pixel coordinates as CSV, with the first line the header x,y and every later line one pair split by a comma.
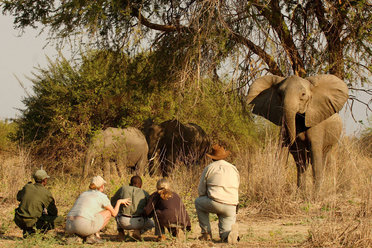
x,y
174,141
307,111
114,150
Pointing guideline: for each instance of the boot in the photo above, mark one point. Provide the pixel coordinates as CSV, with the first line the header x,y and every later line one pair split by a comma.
x,y
121,236
92,239
205,237
233,235
73,239
137,235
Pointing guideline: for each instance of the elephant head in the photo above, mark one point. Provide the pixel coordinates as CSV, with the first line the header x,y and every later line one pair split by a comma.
x,y
285,100
153,135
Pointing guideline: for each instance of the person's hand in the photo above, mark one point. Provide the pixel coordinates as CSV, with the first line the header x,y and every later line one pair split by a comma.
x,y
125,201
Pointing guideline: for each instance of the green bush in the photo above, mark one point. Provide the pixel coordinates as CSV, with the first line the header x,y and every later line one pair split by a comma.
x,y
103,89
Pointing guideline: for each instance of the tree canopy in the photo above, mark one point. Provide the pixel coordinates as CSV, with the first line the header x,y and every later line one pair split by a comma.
x,y
243,39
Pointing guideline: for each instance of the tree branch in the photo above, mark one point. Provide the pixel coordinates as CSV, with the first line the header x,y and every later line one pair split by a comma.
x,y
144,21
276,20
269,60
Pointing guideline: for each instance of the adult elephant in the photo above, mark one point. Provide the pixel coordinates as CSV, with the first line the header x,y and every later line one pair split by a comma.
x,y
113,150
307,111
174,141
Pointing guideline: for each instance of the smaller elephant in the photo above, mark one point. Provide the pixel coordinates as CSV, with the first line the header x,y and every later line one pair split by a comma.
x,y
174,141
116,149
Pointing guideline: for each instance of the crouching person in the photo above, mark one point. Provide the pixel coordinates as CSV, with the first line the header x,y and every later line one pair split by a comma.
x,y
168,211
37,209
131,217
218,193
91,213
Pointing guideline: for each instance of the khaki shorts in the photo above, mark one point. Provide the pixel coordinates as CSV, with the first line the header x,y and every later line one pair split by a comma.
x,y
84,227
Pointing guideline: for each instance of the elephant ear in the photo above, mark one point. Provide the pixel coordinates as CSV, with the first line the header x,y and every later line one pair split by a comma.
x,y
329,94
263,95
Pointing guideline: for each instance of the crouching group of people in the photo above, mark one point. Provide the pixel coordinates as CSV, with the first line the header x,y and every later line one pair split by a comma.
x,y
134,209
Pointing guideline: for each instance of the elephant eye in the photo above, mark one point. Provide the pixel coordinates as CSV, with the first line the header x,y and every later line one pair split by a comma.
x,y
303,95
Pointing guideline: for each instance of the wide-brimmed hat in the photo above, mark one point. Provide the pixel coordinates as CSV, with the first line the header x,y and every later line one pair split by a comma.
x,y
98,181
40,175
218,152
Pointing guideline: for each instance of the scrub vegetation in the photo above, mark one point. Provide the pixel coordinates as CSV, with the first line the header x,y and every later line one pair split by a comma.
x,y
271,212
193,61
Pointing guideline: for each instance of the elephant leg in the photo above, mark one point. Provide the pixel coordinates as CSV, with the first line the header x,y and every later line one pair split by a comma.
x,y
120,165
113,169
119,171
301,169
140,165
300,158
89,160
106,168
168,164
317,167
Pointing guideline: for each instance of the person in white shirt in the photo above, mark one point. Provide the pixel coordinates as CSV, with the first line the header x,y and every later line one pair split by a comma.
x,y
92,211
218,194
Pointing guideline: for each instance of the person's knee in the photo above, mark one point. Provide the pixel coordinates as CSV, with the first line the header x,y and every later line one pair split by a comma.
x,y
197,203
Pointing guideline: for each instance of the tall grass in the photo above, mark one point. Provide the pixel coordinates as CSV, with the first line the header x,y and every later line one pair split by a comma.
x,y
15,171
340,214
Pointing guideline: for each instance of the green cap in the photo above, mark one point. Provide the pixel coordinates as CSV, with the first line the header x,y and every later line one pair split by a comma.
x,y
40,175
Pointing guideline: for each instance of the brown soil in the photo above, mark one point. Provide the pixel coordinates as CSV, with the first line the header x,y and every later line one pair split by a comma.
x,y
254,231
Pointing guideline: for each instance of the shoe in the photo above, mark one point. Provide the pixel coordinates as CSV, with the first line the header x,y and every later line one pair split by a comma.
x,y
121,236
27,232
233,235
92,239
161,238
180,235
73,239
205,237
136,235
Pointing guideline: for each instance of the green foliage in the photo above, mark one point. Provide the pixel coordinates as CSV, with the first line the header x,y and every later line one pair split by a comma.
x,y
7,130
72,100
219,112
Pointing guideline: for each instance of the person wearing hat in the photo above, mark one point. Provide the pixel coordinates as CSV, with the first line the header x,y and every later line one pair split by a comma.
x,y
168,211
37,209
218,194
91,213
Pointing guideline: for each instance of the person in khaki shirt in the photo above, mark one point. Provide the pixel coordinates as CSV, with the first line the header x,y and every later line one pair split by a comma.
x,y
218,194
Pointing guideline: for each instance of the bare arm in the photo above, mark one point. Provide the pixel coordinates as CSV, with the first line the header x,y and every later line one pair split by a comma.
x,y
114,210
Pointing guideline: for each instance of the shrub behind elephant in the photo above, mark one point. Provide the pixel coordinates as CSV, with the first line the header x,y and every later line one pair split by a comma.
x,y
114,150
307,111
174,141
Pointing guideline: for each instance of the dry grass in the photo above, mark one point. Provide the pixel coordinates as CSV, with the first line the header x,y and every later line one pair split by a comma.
x,y
339,217
15,170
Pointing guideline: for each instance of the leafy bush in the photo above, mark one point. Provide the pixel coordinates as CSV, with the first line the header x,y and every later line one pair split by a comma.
x,y
104,89
220,113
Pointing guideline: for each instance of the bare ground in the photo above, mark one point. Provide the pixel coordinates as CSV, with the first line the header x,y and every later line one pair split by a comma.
x,y
255,230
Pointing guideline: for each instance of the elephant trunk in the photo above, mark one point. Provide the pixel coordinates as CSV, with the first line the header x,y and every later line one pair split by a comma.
x,y
290,122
